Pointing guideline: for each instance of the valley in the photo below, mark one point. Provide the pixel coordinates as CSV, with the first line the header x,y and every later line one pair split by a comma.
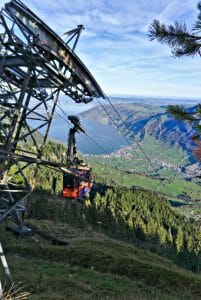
x,y
125,240
100,196
160,157
166,164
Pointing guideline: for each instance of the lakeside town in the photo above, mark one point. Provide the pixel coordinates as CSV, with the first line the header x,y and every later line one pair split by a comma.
x,y
188,171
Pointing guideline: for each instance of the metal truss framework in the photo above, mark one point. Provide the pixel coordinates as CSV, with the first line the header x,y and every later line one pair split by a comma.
x,y
35,66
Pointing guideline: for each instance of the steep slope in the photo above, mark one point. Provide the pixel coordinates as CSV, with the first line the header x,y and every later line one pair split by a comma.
x,y
74,255
146,120
92,265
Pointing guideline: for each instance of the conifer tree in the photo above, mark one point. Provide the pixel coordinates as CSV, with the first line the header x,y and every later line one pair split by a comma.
x,y
169,236
183,42
179,242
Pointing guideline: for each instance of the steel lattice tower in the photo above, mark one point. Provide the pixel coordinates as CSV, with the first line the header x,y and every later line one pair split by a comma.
x,y
35,66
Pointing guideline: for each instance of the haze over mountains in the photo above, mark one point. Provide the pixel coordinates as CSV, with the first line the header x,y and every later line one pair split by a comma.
x,y
73,108
155,100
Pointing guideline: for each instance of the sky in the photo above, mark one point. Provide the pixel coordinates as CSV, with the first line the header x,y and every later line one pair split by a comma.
x,y
116,49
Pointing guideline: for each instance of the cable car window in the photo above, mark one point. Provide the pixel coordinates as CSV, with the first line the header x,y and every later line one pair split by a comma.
x,y
88,175
68,180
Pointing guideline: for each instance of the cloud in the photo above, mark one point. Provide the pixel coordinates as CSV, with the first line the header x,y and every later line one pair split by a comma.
x,y
115,46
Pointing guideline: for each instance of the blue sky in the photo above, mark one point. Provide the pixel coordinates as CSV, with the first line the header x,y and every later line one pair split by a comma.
x,y
115,46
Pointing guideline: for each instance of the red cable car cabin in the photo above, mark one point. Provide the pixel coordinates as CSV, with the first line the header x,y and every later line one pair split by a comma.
x,y
78,183
77,177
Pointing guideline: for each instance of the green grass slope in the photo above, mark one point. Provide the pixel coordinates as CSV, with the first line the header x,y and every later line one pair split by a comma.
x,y
92,265
171,188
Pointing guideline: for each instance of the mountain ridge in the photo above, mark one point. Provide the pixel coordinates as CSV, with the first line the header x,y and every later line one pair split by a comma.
x,y
146,120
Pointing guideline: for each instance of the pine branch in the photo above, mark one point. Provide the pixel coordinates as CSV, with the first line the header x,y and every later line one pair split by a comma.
x,y
180,113
170,33
176,36
197,26
191,48
199,6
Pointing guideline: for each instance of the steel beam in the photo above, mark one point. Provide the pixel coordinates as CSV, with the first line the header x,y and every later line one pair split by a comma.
x,y
35,66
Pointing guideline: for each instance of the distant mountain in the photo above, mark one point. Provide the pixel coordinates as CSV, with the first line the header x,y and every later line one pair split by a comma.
x,y
144,121
155,100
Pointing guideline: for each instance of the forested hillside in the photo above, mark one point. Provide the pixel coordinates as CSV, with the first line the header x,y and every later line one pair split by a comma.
x,y
122,222
146,120
139,217
133,215
161,160
75,262
123,212
125,233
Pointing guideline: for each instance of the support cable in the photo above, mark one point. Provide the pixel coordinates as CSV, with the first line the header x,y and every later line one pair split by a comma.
x,y
87,137
123,123
84,134
138,144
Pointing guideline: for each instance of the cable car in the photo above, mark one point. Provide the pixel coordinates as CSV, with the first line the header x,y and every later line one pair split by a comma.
x,y
77,184
77,179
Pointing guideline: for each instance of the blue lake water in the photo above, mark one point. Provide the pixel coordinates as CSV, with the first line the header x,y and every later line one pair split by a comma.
x,y
106,136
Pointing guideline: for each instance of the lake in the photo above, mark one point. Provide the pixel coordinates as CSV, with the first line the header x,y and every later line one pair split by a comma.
x,y
106,136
